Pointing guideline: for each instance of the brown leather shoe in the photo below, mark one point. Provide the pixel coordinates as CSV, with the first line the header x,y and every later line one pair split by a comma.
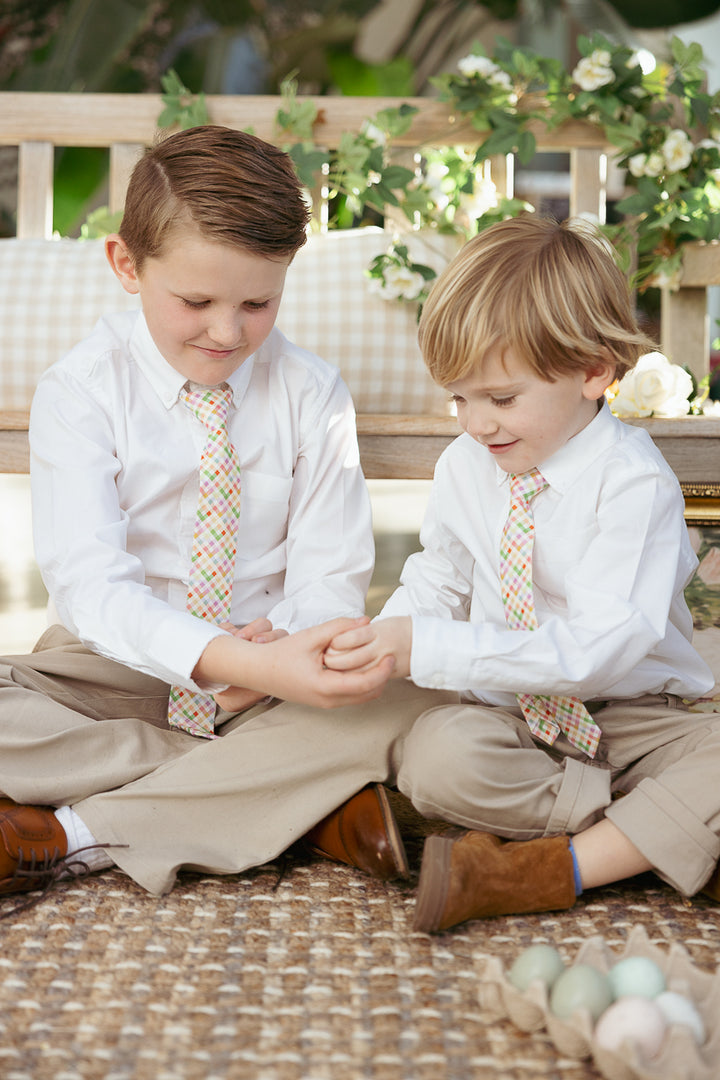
x,y
362,833
33,846
478,875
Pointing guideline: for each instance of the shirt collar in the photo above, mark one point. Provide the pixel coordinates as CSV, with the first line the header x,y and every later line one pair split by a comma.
x,y
577,454
164,379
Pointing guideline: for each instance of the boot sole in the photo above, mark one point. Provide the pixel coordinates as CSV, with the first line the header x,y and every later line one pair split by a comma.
x,y
433,884
397,847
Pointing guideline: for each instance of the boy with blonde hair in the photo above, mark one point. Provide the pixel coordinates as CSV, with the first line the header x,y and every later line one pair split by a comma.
x,y
549,593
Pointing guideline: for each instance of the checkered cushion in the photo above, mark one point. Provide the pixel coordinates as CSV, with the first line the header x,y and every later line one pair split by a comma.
x,y
52,292
328,308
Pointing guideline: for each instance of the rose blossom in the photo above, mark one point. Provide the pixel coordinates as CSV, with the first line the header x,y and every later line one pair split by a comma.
x,y
594,71
654,387
398,283
677,151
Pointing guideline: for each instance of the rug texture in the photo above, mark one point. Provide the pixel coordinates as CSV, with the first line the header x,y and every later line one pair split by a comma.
x,y
302,971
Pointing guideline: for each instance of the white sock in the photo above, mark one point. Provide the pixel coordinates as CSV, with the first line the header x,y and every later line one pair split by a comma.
x,y
79,836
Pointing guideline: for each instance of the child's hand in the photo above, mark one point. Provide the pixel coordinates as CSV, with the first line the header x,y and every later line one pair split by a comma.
x,y
237,698
259,630
363,647
295,669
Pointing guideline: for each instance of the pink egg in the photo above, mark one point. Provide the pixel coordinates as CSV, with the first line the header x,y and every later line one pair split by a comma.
x,y
635,1019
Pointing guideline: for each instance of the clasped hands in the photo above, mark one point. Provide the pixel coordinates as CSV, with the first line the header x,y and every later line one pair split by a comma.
x,y
341,662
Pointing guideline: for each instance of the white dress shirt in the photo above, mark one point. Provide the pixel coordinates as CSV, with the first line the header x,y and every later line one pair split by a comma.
x,y
114,466
610,562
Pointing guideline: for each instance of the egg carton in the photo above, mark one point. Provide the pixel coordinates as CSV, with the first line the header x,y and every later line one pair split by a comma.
x,y
680,1058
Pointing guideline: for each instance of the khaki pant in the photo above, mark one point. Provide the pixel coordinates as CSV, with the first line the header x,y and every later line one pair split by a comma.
x,y
77,729
656,776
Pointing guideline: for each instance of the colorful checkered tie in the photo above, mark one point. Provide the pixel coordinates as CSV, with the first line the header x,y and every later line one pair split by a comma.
x,y
546,716
213,551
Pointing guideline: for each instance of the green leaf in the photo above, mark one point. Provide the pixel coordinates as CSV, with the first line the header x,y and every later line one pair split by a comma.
x,y
396,176
526,147
181,106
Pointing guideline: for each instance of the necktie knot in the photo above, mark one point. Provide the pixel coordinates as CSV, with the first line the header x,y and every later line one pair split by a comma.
x,y
527,485
209,404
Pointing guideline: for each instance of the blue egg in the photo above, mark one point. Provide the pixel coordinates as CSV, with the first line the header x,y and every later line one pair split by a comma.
x,y
537,963
636,976
581,987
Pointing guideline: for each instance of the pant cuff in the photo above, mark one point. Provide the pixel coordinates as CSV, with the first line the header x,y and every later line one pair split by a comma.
x,y
681,848
583,796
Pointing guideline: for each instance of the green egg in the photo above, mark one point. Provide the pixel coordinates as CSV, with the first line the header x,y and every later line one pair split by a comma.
x,y
636,976
581,987
538,962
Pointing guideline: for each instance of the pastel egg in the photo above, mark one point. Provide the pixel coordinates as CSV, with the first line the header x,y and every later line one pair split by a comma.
x,y
678,1009
637,1020
580,987
636,976
538,962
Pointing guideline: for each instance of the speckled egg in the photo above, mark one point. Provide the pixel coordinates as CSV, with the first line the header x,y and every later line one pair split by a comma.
x,y
540,963
636,976
580,987
677,1009
637,1020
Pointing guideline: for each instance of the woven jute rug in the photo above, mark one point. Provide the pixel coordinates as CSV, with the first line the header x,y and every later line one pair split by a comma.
x,y
304,971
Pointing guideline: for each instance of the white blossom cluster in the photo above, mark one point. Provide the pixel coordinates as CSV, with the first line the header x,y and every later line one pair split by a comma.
x,y
474,64
594,71
674,155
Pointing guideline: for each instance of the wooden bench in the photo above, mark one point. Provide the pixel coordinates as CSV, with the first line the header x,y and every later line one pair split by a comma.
x,y
392,445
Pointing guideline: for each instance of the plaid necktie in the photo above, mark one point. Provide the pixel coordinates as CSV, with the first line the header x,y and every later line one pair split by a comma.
x,y
213,551
546,716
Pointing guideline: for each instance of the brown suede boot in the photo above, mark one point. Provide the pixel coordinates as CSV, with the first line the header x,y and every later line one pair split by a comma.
x,y
479,875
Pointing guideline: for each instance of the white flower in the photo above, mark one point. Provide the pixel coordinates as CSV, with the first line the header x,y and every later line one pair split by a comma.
x,y
655,165
647,164
636,164
476,65
502,79
375,134
677,151
484,197
594,71
654,387
398,283
432,182
711,408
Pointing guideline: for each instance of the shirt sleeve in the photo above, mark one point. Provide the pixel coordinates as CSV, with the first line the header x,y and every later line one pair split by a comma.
x,y
80,532
607,600
330,549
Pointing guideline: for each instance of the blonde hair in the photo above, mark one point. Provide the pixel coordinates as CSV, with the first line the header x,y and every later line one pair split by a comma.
x,y
550,291
231,186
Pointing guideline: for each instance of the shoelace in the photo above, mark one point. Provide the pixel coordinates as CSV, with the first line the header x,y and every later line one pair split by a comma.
x,y
46,872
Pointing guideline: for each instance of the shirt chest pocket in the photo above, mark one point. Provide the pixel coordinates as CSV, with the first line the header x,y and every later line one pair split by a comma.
x,y
559,554
264,508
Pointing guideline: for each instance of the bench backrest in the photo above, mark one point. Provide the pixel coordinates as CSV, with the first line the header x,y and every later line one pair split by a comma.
x,y
403,421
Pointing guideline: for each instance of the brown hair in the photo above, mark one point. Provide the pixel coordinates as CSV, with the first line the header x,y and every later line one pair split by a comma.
x,y
550,291
233,187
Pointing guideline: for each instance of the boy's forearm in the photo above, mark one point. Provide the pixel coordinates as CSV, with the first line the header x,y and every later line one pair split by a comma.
x,y
229,660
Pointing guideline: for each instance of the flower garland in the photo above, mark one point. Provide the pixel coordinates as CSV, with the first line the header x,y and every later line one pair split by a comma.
x,y
664,126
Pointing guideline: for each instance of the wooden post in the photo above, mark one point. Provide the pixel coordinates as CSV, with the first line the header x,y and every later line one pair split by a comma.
x,y
35,189
123,158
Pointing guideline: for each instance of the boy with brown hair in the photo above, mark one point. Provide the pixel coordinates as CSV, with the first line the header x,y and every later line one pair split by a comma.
x,y
549,593
198,508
